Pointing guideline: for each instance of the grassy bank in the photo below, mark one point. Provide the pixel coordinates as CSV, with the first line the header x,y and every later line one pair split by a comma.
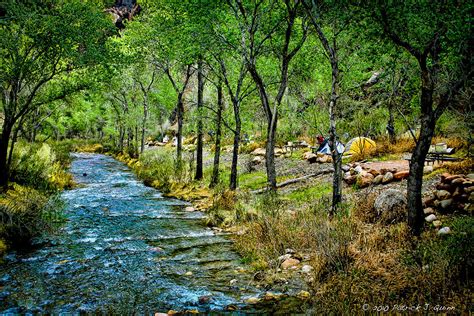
x,y
31,205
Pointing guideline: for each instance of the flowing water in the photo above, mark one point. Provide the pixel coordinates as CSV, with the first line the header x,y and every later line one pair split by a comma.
x,y
124,248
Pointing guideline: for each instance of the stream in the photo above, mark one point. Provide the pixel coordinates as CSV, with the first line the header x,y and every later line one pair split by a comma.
x,y
124,248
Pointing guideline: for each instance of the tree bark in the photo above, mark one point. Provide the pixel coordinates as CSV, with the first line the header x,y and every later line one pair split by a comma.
x,y
235,149
145,118
179,145
336,157
415,177
4,141
200,76
217,152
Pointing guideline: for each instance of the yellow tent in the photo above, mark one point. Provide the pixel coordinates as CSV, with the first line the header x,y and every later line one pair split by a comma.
x,y
359,145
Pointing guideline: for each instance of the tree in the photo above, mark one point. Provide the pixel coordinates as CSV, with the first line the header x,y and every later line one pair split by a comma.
x,y
438,37
331,50
260,24
38,44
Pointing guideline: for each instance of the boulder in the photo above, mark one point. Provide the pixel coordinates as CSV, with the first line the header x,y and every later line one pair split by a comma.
x,y
388,177
257,160
385,170
428,211
374,172
458,181
350,179
450,179
345,168
401,175
307,154
390,200
427,169
259,152
252,300
469,190
378,179
358,169
279,152
324,159
430,218
312,158
364,179
443,194
444,204
445,186
444,231
289,263
306,268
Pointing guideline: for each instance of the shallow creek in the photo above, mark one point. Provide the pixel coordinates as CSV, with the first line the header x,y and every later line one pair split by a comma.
x,y
124,247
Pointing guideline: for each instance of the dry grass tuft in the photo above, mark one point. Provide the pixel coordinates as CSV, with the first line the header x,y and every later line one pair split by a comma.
x,y
464,166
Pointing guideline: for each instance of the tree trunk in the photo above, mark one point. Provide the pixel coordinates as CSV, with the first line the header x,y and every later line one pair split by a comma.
x,y
336,157
199,122
415,178
390,124
417,161
179,145
4,140
122,136
270,152
217,152
145,117
235,150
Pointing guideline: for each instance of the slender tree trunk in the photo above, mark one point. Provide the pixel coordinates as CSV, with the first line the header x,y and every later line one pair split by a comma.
x,y
415,178
270,151
390,124
235,149
199,121
179,145
417,161
4,141
336,157
145,117
217,152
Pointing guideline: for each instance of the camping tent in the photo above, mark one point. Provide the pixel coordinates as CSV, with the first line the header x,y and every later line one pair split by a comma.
x,y
359,145
325,149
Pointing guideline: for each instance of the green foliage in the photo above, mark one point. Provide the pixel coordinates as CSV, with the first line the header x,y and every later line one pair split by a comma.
x,y
37,166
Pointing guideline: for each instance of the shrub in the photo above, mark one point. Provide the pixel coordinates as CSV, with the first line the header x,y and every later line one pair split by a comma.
x,y
26,213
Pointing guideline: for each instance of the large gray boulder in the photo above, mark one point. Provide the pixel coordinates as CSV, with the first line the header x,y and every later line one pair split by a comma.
x,y
390,205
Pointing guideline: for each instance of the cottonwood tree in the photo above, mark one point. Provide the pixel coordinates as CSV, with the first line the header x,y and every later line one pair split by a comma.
x,y
437,35
269,29
38,44
338,24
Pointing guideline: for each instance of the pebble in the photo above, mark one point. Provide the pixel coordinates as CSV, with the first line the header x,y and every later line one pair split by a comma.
x,y
444,231
233,282
428,210
189,209
189,273
290,263
306,268
252,300
437,223
430,218
303,294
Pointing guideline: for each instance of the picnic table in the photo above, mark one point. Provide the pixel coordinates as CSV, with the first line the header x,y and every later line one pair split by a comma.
x,y
439,156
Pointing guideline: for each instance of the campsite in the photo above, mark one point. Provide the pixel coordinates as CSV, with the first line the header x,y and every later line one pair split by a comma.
x,y
238,157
